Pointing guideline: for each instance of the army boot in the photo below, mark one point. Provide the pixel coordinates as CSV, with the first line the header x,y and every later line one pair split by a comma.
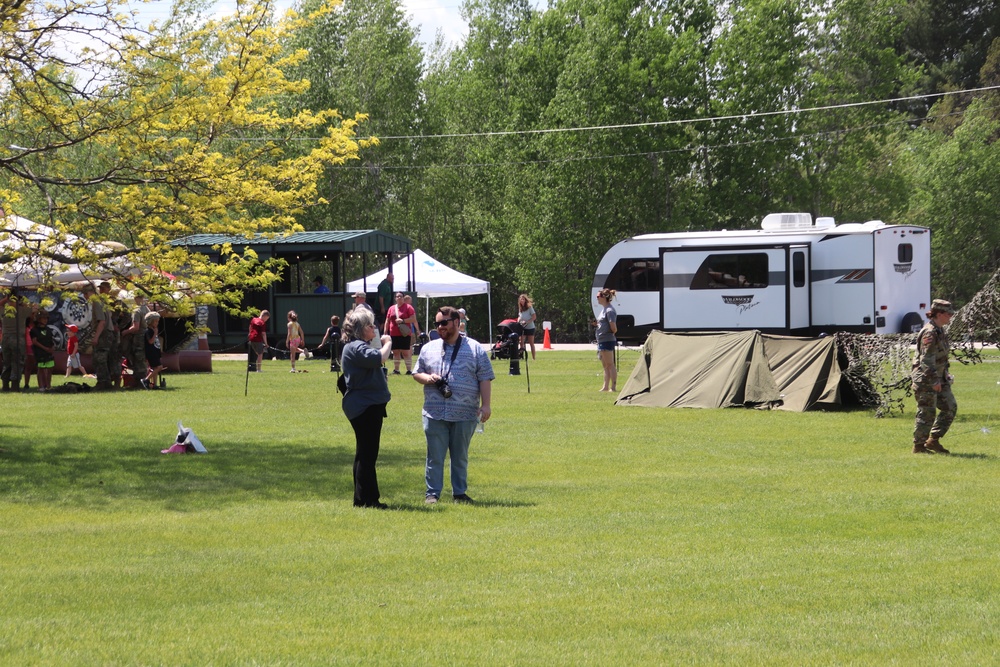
x,y
6,385
920,448
933,445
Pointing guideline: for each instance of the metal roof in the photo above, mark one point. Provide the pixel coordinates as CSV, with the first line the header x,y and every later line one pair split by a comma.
x,y
345,240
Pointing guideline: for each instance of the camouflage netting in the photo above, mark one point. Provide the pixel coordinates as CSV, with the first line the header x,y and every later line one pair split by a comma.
x,y
877,366
977,323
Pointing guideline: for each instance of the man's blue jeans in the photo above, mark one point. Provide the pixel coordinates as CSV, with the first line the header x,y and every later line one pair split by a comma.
x,y
444,438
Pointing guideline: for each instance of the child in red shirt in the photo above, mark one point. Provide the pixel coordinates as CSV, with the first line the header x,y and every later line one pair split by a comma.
x,y
72,350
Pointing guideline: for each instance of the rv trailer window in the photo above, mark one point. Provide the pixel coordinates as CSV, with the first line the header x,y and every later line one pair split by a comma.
x,y
635,275
748,270
798,269
905,252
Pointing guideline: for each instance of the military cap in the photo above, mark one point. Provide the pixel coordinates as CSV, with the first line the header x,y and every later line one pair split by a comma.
x,y
942,306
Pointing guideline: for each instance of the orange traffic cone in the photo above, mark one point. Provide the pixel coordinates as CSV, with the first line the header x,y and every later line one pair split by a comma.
x,y
547,344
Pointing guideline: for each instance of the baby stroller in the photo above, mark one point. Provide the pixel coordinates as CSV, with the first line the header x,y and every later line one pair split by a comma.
x,y
508,340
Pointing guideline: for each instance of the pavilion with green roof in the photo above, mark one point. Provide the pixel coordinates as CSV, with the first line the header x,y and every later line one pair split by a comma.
x,y
336,256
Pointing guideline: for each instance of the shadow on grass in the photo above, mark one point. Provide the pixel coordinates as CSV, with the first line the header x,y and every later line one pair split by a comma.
x,y
71,473
961,455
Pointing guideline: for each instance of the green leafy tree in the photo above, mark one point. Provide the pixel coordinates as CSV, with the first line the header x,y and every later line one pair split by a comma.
x,y
141,137
363,57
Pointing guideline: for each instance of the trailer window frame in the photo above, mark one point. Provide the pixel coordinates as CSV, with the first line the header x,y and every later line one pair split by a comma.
x,y
798,268
745,270
904,253
635,274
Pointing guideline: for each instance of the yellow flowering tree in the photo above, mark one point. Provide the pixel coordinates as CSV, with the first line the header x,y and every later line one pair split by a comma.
x,y
139,136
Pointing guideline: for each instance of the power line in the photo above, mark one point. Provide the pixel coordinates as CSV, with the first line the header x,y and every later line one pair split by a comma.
x,y
688,121
683,121
687,149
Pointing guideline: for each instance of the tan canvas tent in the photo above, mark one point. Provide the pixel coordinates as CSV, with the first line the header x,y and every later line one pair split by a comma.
x,y
730,369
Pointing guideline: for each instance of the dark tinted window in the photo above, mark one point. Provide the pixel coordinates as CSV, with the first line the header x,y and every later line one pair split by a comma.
x,y
905,252
635,275
798,269
732,271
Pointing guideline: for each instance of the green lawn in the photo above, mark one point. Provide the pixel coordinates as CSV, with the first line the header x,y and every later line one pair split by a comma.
x,y
601,535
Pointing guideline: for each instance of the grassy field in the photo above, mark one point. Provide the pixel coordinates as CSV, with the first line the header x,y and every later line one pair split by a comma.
x,y
601,534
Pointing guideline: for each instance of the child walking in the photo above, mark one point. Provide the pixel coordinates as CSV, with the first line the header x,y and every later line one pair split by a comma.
x,y
73,351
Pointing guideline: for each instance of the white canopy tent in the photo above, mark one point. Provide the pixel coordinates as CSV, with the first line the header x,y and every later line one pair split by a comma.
x,y
430,279
31,269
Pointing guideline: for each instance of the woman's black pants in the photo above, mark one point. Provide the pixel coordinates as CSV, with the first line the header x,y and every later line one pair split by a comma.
x,y
368,435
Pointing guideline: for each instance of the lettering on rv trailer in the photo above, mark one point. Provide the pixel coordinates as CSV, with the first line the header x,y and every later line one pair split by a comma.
x,y
742,302
906,269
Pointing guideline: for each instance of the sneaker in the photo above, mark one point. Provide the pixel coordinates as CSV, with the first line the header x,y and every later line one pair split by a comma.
x,y
293,371
409,372
397,373
145,383
431,500
462,498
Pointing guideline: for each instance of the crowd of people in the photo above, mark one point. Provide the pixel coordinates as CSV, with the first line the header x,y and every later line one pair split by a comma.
x,y
124,338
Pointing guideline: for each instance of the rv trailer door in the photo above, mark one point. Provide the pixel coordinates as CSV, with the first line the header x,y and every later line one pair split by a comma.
x,y
798,290
725,288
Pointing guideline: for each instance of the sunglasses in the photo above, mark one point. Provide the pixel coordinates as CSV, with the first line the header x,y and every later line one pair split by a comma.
x,y
444,323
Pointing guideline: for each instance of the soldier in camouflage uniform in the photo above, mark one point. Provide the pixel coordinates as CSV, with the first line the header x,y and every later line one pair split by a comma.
x,y
104,334
15,311
932,382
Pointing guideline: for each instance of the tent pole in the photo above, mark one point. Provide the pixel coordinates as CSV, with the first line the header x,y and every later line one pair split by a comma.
x,y
489,307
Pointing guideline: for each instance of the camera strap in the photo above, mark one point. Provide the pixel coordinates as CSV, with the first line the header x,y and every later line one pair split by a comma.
x,y
454,355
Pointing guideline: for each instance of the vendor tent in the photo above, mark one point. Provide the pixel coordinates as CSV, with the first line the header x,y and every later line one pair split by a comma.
x,y
23,239
429,279
730,369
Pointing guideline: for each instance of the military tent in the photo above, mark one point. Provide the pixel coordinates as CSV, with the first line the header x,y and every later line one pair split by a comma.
x,y
730,369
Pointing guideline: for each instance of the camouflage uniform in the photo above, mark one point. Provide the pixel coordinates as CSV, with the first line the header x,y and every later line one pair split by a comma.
x,y
133,345
15,316
103,344
930,367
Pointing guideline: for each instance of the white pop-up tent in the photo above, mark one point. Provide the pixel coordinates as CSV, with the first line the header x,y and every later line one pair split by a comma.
x,y
430,279
30,269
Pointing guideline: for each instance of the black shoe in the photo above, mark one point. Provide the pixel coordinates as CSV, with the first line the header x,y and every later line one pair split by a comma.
x,y
409,372
462,498
395,372
375,506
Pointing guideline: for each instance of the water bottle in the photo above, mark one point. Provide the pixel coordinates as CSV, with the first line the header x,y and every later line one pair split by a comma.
x,y
479,424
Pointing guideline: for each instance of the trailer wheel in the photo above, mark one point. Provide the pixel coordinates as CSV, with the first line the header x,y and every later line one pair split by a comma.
x,y
912,323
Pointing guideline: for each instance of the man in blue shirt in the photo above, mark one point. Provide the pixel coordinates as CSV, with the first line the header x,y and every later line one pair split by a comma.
x,y
320,287
456,373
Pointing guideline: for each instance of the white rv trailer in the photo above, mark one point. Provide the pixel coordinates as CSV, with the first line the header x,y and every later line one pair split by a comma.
x,y
792,276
